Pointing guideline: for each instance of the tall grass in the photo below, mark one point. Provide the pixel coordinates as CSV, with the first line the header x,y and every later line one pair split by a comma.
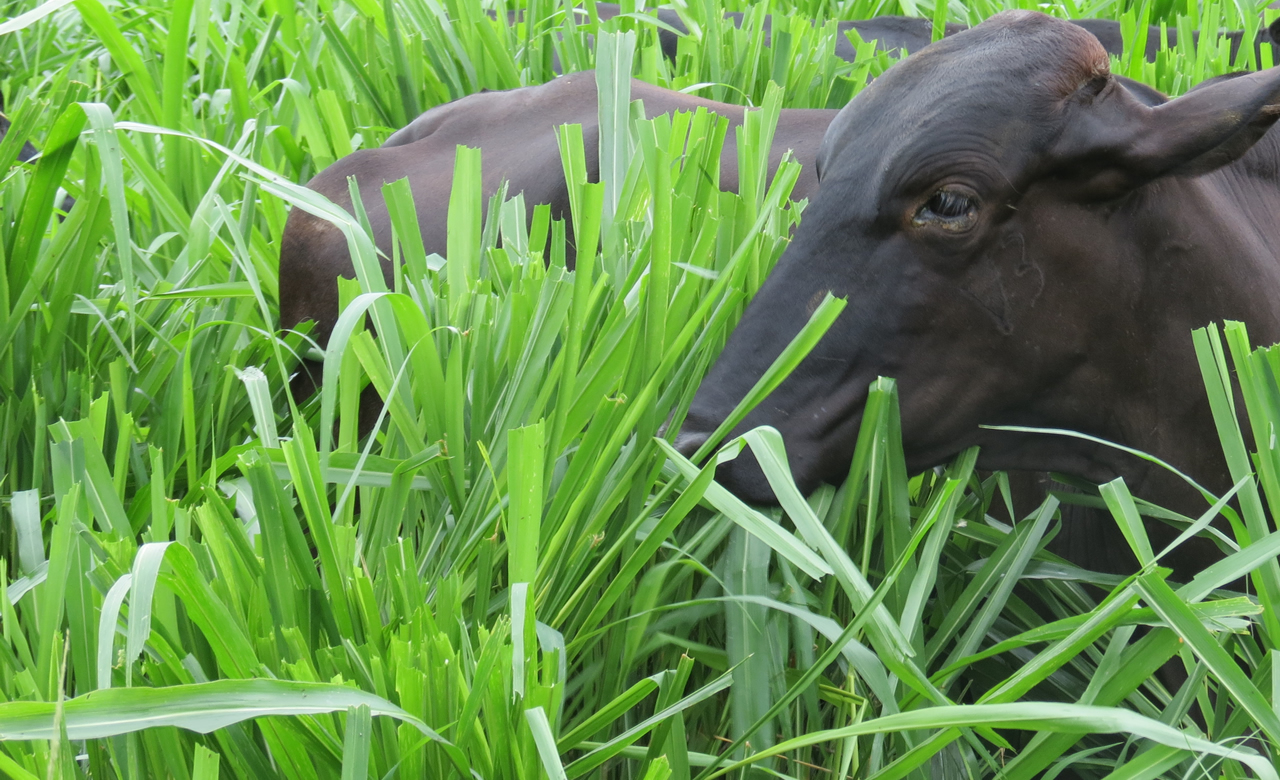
x,y
517,577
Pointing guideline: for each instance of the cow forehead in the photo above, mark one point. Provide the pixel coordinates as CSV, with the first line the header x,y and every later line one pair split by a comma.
x,y
1016,67
1024,42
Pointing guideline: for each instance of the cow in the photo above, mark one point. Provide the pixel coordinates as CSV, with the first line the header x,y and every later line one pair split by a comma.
x,y
1022,241
515,131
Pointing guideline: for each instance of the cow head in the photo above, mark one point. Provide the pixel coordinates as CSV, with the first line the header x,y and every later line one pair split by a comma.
x,y
974,208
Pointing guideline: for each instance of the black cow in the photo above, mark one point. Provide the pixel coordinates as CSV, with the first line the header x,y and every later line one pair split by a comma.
x,y
515,131
1022,241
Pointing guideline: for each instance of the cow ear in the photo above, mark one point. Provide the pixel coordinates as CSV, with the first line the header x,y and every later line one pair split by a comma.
x,y
1113,143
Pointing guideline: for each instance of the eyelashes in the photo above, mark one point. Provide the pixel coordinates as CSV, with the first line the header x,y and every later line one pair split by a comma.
x,y
948,209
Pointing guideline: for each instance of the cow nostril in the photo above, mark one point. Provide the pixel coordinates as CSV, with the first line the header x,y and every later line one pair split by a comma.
x,y
688,442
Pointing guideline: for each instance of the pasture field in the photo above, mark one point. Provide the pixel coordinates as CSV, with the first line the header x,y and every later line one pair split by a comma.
x,y
517,577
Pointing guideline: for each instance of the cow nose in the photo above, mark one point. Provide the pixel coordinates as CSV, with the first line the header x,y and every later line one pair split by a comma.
x,y
688,442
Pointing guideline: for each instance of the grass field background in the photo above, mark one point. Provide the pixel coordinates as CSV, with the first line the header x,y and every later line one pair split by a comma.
x,y
517,578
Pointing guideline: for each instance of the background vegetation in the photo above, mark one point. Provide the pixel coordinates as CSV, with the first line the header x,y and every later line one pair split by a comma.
x,y
514,579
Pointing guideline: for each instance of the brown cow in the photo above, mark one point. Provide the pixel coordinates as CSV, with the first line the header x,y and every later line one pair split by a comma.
x,y
515,131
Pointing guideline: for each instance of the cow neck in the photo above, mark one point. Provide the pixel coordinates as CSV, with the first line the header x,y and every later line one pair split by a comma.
x,y
1219,261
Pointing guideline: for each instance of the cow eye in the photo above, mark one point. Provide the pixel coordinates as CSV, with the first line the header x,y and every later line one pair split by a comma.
x,y
948,209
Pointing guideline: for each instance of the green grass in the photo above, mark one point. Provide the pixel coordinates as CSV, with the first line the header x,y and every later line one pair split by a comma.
x,y
518,577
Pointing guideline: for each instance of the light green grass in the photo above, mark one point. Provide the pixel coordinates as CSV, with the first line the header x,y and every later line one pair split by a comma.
x,y
518,577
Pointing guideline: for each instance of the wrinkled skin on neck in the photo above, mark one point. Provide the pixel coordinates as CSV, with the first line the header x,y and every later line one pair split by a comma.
x,y
1015,250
